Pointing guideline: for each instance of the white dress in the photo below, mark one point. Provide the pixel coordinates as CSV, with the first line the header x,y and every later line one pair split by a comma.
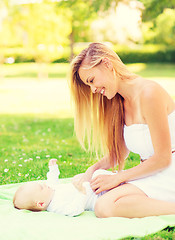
x,y
161,185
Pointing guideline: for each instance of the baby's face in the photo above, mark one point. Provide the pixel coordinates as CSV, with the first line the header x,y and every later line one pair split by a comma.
x,y
34,194
41,192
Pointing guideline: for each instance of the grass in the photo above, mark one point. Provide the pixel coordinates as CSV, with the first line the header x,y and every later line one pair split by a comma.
x,y
60,70
153,70
167,233
30,70
29,141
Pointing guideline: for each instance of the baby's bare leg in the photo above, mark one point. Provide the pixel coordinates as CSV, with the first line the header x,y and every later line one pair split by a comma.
x,y
129,201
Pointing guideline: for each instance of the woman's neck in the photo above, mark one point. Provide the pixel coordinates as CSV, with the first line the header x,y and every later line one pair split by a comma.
x,y
129,89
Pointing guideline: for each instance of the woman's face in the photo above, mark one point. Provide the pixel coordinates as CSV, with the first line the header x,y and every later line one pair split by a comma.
x,y
101,79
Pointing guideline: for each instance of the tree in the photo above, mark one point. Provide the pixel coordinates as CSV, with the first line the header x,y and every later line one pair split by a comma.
x,y
41,30
155,7
81,14
159,21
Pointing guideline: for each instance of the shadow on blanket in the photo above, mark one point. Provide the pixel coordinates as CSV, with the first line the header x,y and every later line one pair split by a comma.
x,y
25,225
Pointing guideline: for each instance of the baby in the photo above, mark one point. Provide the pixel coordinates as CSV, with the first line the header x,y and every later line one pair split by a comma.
x,y
50,195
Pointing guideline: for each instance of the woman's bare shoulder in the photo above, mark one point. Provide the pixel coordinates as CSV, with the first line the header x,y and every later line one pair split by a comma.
x,y
153,95
150,88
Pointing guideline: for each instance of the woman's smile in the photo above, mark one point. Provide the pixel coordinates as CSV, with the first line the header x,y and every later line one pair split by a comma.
x,y
99,80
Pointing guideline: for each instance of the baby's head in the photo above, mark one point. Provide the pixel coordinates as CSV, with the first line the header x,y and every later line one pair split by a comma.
x,y
33,196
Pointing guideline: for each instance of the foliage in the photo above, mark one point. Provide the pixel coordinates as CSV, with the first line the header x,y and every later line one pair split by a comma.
x,y
155,7
147,55
45,28
165,28
143,53
81,14
162,30
159,26
41,29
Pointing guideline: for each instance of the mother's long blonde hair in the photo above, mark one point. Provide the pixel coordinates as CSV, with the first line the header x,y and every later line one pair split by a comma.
x,y
97,118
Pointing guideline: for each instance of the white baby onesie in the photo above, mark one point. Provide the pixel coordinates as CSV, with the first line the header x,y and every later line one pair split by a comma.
x,y
67,200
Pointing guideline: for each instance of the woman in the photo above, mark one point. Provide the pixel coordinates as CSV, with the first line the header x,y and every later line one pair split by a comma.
x,y
123,112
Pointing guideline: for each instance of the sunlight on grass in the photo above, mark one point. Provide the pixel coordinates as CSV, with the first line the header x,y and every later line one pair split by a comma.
x,y
150,70
136,67
36,123
31,70
28,142
32,96
61,70
22,92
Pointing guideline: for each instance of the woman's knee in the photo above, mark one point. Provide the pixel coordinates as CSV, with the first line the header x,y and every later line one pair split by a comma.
x,y
122,207
103,208
100,209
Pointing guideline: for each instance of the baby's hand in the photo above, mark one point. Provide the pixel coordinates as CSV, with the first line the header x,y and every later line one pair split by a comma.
x,y
52,162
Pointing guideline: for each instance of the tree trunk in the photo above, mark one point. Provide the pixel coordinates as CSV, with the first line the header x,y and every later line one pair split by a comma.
x,y
71,37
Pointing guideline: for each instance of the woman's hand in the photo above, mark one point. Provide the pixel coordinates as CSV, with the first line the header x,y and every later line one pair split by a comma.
x,y
104,182
79,179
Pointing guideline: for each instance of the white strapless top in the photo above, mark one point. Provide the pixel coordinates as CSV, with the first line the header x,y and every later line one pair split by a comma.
x,y
138,138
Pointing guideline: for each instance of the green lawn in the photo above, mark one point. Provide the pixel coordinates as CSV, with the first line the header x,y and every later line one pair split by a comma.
x,y
60,70
28,141
30,70
153,70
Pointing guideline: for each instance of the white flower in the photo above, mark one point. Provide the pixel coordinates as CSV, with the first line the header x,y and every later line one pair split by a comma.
x,y
21,159
27,175
60,156
14,162
19,174
6,160
47,156
38,157
20,165
30,159
6,170
25,160
70,163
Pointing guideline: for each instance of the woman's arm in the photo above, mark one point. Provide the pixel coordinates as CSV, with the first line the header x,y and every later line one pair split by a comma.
x,y
79,179
154,104
104,163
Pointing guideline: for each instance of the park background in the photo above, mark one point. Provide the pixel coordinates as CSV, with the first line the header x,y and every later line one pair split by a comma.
x,y
38,39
